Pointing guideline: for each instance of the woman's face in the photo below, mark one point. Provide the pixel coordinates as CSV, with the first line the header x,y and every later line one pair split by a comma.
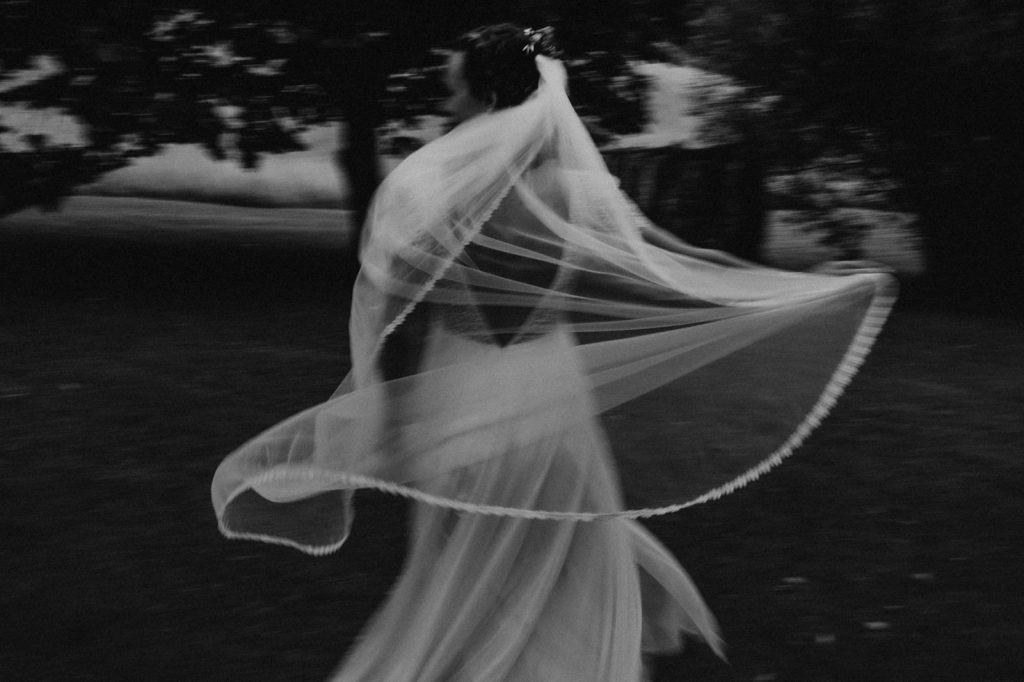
x,y
461,104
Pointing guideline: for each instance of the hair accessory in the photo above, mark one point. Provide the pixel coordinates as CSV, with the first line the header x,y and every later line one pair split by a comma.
x,y
538,40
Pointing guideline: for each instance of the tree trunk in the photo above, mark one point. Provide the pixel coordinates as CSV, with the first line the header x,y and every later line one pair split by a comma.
x,y
972,225
357,160
974,245
357,156
959,136
711,197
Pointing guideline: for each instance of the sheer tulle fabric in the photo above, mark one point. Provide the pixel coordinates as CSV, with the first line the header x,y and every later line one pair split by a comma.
x,y
510,237
486,597
545,326
507,232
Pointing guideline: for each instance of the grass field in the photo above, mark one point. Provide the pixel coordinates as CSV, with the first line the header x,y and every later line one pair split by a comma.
x,y
889,548
164,222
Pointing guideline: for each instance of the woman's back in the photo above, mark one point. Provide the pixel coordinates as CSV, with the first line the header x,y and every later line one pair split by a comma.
x,y
537,264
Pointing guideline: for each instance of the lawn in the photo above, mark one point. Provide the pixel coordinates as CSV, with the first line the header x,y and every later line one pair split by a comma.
x,y
889,548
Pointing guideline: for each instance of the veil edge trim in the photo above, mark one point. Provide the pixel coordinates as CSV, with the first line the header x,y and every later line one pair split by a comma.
x,y
429,285
855,355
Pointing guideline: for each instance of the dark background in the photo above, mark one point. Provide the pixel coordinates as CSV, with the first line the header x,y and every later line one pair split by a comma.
x,y
888,549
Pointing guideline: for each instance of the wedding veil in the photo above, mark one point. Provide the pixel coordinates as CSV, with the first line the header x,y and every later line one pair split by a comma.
x,y
705,370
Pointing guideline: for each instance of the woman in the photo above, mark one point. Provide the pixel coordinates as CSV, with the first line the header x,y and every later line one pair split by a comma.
x,y
509,294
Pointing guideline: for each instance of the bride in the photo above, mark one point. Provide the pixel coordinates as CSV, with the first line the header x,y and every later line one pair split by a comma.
x,y
509,295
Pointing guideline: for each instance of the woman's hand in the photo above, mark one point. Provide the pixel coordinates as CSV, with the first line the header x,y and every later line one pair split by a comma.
x,y
851,267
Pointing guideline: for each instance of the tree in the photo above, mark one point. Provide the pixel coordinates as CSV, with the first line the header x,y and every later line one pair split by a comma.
x,y
138,77
930,89
242,77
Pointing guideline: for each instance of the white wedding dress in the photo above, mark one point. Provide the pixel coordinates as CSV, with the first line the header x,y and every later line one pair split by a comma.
x,y
487,597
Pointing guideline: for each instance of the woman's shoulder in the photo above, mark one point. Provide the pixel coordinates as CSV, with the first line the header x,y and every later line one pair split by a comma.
x,y
410,183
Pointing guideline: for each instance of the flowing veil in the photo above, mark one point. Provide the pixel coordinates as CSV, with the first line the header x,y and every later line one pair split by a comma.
x,y
513,219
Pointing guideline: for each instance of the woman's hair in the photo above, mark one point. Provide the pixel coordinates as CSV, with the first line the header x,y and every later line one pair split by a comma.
x,y
499,64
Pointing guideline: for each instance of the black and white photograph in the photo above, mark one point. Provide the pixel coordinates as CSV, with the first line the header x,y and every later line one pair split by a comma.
x,y
545,341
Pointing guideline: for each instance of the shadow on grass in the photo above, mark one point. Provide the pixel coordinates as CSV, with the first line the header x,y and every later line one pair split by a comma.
x,y
204,272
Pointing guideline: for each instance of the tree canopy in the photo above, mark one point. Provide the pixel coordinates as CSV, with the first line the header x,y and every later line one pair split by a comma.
x,y
139,75
931,89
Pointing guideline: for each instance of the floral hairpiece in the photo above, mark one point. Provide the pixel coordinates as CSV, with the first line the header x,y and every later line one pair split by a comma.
x,y
537,39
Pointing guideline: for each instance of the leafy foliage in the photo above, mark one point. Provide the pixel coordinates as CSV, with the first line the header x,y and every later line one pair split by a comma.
x,y
242,80
931,90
